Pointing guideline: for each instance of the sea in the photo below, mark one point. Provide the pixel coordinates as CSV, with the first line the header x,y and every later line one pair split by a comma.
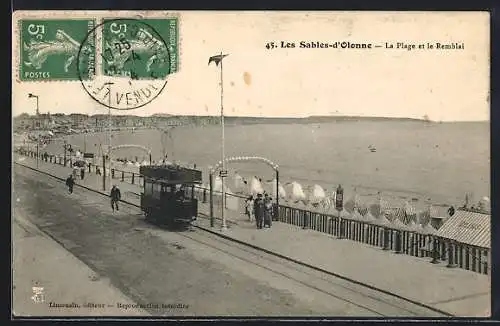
x,y
410,160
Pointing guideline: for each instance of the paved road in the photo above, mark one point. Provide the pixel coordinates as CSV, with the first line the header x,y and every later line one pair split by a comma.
x,y
60,278
145,267
208,276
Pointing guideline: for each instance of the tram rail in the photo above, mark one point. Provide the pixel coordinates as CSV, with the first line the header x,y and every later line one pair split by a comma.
x,y
307,275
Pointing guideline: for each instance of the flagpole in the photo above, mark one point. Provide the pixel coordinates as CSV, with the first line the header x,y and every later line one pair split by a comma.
x,y
224,226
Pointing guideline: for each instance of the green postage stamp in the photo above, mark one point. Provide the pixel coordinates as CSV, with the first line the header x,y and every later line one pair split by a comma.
x,y
140,48
68,49
49,48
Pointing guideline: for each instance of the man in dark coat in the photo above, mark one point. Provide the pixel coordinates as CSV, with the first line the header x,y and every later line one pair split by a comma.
x,y
115,197
70,182
82,173
259,211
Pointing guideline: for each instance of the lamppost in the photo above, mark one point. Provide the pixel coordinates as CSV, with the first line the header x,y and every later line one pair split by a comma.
x,y
31,95
218,59
339,206
109,132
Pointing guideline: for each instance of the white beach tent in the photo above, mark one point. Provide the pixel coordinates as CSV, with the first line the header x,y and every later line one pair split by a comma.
x,y
256,187
368,217
297,192
418,228
412,226
281,190
239,184
217,184
353,202
399,225
357,216
317,195
344,213
382,221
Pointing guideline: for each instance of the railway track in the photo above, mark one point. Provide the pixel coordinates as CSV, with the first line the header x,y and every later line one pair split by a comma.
x,y
328,285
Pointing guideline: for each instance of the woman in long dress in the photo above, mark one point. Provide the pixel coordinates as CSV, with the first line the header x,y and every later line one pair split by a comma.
x,y
250,209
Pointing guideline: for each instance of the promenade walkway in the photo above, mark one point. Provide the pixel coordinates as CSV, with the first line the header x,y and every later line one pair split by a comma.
x,y
457,291
41,262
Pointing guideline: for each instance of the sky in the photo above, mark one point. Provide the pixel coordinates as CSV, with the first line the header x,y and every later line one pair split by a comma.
x,y
446,85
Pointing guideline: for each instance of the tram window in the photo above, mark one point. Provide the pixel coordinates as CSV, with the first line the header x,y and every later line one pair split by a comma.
x,y
156,190
148,188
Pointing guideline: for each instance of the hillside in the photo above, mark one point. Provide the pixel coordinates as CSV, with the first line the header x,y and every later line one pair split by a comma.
x,y
25,121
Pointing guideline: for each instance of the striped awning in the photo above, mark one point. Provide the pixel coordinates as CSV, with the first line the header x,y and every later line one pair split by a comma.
x,y
468,227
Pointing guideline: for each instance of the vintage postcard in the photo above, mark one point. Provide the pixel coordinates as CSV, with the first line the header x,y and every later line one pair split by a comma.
x,y
204,163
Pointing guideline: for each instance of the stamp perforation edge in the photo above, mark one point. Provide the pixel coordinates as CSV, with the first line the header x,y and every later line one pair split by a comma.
x,y
19,49
141,17
98,19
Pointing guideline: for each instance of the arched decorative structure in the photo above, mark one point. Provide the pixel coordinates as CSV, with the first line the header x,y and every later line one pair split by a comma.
x,y
237,159
115,148
233,159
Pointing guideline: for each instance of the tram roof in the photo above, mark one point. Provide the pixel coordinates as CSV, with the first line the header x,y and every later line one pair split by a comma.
x,y
171,174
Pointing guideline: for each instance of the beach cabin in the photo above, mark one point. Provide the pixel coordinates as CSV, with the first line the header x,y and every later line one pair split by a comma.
x,y
471,234
438,215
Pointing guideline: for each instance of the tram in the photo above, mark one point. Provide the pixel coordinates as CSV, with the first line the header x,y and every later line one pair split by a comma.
x,y
168,194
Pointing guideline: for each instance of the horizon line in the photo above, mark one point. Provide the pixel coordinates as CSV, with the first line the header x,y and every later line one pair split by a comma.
x,y
257,117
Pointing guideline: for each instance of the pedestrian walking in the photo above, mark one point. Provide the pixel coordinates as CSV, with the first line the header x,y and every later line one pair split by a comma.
x,y
97,170
82,173
70,182
249,208
246,206
115,197
268,211
259,211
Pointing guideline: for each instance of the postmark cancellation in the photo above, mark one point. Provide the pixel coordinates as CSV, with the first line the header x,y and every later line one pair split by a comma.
x,y
83,49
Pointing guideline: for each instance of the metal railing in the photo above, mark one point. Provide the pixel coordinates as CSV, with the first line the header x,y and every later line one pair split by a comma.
x,y
397,240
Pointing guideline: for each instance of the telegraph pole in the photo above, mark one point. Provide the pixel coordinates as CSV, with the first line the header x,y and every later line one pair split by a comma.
x,y
224,225
223,173
31,95
65,147
109,133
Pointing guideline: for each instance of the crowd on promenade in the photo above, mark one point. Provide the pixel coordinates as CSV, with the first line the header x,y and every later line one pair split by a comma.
x,y
261,210
374,230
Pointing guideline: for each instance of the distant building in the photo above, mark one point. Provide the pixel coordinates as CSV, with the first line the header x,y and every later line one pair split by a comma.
x,y
32,122
78,119
23,122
